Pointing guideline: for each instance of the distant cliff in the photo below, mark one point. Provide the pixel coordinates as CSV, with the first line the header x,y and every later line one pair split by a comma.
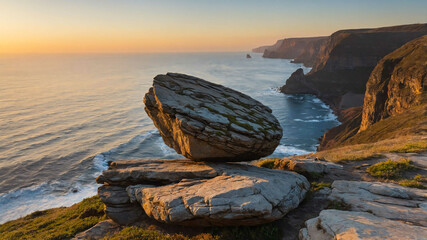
x,y
395,101
273,47
346,59
302,50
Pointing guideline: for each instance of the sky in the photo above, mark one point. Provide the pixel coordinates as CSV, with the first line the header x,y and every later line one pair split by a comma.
x,y
133,26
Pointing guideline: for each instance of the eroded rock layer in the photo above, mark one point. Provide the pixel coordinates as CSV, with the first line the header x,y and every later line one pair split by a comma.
x,y
345,225
181,191
206,121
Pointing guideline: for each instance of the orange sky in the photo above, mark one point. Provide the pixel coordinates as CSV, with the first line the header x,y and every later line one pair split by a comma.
x,y
78,26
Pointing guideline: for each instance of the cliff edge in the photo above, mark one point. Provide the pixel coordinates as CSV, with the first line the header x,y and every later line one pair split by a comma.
x,y
346,59
395,101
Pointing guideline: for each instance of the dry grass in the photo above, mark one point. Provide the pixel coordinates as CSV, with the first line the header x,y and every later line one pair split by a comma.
x,y
374,150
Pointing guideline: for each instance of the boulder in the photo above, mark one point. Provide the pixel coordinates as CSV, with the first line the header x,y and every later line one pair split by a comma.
x,y
346,225
386,200
206,121
185,192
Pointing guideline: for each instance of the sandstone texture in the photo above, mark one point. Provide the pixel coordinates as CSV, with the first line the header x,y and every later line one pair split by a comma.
x,y
344,61
374,210
386,200
307,165
397,83
206,121
185,192
345,225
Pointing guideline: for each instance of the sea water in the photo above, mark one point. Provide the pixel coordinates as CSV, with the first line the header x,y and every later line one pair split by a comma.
x,y
64,117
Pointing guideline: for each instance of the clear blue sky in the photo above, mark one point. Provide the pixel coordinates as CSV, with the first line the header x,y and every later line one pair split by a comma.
x,y
185,25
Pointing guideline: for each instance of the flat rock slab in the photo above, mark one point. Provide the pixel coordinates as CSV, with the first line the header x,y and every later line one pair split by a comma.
x,y
206,121
307,165
205,194
345,225
386,200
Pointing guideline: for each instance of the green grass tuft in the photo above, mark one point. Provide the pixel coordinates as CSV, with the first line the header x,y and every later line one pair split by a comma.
x,y
315,186
412,184
390,169
267,163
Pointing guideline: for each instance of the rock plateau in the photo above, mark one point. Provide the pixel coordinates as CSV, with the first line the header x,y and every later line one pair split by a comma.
x,y
185,192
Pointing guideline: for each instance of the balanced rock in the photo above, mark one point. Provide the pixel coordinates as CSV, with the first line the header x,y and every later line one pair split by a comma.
x,y
386,200
185,192
345,225
206,121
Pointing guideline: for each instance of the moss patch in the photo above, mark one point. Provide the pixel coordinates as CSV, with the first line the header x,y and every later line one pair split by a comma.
x,y
268,163
56,223
315,186
390,169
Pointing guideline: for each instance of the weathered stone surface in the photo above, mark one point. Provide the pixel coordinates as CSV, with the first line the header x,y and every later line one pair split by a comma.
x,y
206,194
346,225
386,200
206,121
100,230
118,205
306,165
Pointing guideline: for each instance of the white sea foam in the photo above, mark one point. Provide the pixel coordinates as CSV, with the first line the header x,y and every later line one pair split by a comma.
x,y
24,201
290,150
53,194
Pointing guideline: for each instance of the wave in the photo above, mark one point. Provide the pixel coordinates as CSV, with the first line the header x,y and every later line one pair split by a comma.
x,y
328,118
20,202
289,150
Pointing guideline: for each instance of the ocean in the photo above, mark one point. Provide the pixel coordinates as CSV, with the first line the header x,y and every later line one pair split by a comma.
x,y
64,117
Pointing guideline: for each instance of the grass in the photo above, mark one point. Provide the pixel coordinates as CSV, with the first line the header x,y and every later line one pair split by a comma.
x,y
373,150
412,184
56,223
418,146
267,231
390,169
267,163
315,186
138,233
416,182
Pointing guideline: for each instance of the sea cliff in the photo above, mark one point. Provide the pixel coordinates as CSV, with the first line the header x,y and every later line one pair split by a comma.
x,y
395,100
346,59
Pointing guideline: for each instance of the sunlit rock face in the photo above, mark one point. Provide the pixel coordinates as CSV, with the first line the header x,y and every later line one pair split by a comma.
x,y
206,121
186,192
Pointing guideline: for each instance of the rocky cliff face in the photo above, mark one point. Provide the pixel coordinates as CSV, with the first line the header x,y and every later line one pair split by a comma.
x,y
395,101
302,50
397,83
346,59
